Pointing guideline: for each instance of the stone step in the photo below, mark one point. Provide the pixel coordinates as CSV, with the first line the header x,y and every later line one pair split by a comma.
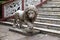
x,y
51,2
55,0
52,19
25,31
40,25
48,12
47,25
41,19
45,20
48,30
41,29
36,28
51,13
49,9
49,16
48,20
50,6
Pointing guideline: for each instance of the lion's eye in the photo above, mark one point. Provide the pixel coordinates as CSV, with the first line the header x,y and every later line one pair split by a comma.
x,y
30,13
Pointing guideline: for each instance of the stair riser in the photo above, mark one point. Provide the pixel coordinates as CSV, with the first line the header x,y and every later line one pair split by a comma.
x,y
47,5
44,21
48,27
52,3
54,28
55,0
47,16
49,9
48,13
48,21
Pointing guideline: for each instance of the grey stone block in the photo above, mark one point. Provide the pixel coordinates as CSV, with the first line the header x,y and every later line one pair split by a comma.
x,y
25,31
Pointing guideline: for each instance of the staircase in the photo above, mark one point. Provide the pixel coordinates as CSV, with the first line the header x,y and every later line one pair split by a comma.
x,y
49,15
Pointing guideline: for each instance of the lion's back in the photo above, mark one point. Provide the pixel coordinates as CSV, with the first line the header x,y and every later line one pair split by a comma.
x,y
19,13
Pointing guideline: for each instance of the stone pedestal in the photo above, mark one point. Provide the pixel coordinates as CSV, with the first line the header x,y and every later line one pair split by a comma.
x,y
25,31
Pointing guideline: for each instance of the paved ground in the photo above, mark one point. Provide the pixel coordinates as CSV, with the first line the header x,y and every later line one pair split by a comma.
x,y
5,34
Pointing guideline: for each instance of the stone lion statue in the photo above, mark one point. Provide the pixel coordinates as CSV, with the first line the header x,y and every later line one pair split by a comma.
x,y
28,16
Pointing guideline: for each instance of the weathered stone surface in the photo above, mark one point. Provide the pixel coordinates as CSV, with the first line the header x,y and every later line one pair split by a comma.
x,y
25,31
5,34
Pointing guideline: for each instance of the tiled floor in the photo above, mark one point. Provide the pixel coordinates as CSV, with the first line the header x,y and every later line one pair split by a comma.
x,y
5,34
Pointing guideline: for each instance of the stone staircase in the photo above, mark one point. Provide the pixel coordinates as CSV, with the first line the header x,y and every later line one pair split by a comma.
x,y
49,15
48,18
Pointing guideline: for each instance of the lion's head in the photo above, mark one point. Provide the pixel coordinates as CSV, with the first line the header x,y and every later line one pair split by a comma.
x,y
30,13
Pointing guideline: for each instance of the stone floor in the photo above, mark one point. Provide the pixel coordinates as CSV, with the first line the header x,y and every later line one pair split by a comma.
x,y
5,34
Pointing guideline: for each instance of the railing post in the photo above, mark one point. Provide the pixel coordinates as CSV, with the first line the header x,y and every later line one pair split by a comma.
x,y
22,4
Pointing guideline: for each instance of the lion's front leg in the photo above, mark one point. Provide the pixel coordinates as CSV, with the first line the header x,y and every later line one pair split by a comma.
x,y
20,23
14,23
30,26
